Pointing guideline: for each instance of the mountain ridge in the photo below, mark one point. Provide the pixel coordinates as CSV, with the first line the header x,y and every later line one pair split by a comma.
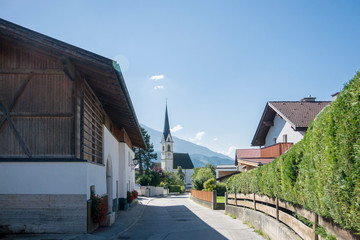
x,y
199,155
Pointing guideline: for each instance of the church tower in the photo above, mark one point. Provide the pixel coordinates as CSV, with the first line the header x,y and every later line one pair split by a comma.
x,y
167,155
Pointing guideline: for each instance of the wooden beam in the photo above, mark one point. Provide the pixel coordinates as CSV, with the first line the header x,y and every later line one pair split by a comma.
x,y
32,71
35,115
2,121
19,93
69,68
26,149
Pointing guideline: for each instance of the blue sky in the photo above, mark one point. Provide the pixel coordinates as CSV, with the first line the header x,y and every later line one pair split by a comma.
x,y
216,62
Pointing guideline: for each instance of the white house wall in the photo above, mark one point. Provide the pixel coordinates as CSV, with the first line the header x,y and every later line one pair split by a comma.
x,y
43,178
126,172
111,153
121,155
280,128
96,176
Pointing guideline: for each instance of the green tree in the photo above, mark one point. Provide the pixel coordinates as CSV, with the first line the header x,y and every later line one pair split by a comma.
x,y
210,184
145,156
172,178
180,173
200,176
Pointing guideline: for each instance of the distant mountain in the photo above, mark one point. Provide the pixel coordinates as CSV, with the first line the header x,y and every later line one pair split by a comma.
x,y
200,155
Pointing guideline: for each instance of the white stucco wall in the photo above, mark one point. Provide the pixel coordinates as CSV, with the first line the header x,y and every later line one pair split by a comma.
x,y
43,178
111,154
280,128
120,154
126,172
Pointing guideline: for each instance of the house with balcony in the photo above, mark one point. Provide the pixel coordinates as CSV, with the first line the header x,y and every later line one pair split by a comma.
x,y
67,127
282,124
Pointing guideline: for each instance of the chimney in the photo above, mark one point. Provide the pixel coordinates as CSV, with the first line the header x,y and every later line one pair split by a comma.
x,y
308,99
334,96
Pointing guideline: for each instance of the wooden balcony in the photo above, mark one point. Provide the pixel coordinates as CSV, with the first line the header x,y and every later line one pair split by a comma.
x,y
275,150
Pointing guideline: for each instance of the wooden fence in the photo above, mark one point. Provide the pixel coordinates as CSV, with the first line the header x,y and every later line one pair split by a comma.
x,y
203,195
286,213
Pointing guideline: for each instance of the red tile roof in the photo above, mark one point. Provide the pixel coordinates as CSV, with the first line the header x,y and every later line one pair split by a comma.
x,y
298,114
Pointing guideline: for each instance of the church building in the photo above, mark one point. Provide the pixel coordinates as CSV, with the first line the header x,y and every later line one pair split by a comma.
x,y
170,161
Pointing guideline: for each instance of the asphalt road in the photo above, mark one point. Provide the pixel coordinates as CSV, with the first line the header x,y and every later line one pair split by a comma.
x,y
178,217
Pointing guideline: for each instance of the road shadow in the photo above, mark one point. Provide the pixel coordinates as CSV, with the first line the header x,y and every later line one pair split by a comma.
x,y
170,222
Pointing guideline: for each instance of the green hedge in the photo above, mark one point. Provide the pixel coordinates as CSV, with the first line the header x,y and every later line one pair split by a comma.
x,y
175,188
321,172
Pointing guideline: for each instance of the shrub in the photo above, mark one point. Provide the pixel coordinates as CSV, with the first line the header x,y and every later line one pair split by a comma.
x,y
149,178
200,176
99,208
143,180
182,188
172,178
175,188
321,172
220,189
129,197
210,184
154,179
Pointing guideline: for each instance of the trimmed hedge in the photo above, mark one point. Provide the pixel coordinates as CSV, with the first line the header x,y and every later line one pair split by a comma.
x,y
175,188
321,172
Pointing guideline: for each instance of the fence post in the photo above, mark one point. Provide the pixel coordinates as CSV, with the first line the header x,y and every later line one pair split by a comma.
x,y
254,202
277,209
316,221
235,200
226,198
214,199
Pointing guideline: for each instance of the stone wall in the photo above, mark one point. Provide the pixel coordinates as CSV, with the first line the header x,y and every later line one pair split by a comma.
x,y
43,213
268,225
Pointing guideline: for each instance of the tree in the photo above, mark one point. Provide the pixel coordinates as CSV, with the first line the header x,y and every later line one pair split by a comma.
x,y
180,173
200,176
145,156
173,179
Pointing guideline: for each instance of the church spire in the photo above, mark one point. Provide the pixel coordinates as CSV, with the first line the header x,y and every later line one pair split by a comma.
x,y
166,132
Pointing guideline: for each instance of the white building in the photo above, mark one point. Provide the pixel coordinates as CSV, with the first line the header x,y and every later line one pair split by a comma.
x,y
170,161
283,124
67,125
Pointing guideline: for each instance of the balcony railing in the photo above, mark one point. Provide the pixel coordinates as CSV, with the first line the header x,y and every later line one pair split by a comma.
x,y
275,150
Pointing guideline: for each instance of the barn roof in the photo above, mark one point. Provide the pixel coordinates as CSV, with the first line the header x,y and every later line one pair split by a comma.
x,y
183,160
298,114
102,74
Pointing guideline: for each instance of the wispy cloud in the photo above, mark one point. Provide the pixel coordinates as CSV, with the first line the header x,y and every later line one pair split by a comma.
x,y
158,87
176,128
198,137
157,77
215,139
229,152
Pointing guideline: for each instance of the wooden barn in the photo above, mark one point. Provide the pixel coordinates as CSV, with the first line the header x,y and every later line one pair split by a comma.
x,y
67,124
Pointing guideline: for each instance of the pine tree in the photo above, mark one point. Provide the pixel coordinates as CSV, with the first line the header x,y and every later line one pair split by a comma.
x,y
145,156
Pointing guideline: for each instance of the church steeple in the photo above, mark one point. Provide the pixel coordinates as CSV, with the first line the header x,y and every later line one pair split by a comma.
x,y
166,131
167,155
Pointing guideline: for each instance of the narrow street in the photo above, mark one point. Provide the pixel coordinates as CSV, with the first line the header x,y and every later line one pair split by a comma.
x,y
178,217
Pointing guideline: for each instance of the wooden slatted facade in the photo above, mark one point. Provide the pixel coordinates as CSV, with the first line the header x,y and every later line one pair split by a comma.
x,y
36,105
53,105
39,107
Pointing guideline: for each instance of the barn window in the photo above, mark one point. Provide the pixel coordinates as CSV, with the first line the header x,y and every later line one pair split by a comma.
x,y
92,118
